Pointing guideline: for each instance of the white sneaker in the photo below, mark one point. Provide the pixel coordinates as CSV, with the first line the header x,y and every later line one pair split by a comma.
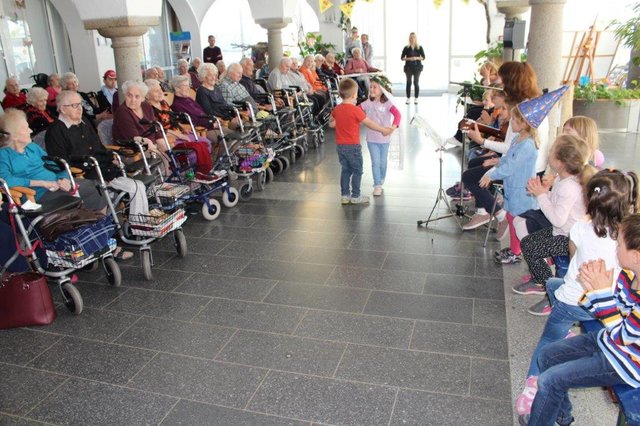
x,y
408,101
363,199
345,200
415,101
377,191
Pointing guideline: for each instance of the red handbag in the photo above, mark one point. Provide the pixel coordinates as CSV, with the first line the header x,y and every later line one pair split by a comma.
x,y
25,299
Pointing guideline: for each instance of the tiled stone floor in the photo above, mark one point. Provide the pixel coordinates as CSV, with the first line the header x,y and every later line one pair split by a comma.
x,y
291,309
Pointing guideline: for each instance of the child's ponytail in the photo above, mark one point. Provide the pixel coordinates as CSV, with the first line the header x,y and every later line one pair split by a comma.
x,y
611,195
574,153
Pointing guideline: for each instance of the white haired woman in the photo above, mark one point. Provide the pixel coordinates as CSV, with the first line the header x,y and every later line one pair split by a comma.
x,y
36,110
183,69
126,120
95,114
21,164
13,97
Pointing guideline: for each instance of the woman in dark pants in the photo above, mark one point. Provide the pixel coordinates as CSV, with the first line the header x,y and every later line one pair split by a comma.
x,y
413,55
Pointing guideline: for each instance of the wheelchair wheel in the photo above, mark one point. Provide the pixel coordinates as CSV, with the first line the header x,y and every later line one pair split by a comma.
x,y
260,181
276,165
180,242
230,197
246,190
72,298
145,260
285,162
211,211
268,175
112,271
298,152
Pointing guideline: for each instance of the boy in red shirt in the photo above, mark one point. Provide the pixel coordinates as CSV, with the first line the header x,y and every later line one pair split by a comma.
x,y
346,119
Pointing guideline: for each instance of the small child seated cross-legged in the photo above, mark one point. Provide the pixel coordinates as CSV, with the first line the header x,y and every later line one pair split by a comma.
x,y
608,357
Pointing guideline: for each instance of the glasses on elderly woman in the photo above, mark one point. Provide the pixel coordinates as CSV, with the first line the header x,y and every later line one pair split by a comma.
x,y
76,105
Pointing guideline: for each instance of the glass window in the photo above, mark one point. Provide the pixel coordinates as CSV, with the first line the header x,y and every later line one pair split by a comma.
x,y
155,42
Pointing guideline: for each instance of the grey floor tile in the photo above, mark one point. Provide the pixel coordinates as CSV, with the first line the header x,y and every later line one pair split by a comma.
x,y
354,328
101,404
93,360
207,264
230,287
434,308
160,304
92,324
319,297
7,420
263,250
233,233
408,369
486,342
432,409
199,380
286,353
94,295
22,388
314,239
159,257
376,279
346,257
463,286
487,267
21,345
251,316
207,246
323,400
195,413
182,338
490,378
455,265
288,271
489,312
163,279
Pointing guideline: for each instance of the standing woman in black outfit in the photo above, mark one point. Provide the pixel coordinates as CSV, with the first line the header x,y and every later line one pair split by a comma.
x,y
413,55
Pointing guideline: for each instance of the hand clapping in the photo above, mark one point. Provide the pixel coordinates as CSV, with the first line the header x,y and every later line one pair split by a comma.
x,y
536,187
594,275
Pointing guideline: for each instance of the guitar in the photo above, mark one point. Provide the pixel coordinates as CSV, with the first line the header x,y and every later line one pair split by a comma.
x,y
467,124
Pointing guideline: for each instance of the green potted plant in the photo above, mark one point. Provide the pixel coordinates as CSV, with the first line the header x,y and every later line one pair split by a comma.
x,y
613,108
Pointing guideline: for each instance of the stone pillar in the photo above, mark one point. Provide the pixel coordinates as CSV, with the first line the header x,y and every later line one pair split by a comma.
x,y
512,9
274,39
544,50
125,35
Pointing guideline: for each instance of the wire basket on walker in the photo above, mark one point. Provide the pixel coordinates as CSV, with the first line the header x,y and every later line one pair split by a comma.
x,y
157,223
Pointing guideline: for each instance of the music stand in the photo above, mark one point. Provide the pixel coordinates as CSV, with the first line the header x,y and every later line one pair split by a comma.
x,y
422,124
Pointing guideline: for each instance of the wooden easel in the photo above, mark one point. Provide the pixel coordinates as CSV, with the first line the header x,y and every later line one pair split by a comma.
x,y
585,52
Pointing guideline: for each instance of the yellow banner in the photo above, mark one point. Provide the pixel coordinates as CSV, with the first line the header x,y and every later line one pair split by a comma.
x,y
324,5
347,8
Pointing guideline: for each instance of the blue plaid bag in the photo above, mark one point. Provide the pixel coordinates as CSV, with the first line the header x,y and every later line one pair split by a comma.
x,y
87,239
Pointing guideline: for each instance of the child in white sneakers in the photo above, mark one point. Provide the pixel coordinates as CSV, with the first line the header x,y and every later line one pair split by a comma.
x,y
346,119
382,111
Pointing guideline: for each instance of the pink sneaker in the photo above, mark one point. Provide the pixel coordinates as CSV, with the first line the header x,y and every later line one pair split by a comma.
x,y
525,278
525,399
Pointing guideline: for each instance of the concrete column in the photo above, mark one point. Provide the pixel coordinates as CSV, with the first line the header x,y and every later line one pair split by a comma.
x,y
512,9
274,39
125,35
544,50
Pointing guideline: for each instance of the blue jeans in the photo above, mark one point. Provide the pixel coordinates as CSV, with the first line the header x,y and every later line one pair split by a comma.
x,y
572,363
350,157
558,324
379,153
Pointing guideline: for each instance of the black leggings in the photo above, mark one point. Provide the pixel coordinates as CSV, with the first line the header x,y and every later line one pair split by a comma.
x,y
415,73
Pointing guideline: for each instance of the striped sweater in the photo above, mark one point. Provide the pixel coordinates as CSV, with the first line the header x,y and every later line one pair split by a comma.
x,y
619,311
